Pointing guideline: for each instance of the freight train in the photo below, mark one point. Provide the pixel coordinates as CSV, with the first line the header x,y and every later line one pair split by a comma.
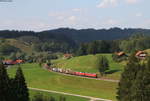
x,y
70,72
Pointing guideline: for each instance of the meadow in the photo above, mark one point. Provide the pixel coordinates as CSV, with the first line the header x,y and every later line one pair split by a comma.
x,y
88,64
56,96
37,77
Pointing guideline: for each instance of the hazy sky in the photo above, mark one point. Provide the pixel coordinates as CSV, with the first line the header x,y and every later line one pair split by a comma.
x,y
40,15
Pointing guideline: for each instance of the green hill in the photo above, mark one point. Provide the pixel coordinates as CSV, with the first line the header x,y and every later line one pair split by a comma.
x,y
20,44
88,64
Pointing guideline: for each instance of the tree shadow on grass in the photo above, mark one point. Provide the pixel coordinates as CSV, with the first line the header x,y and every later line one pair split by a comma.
x,y
112,71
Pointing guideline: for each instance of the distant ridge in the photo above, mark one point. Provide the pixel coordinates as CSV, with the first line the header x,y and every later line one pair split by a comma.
x,y
78,35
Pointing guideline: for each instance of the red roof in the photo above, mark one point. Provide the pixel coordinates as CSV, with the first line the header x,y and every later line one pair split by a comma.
x,y
8,61
67,55
12,62
19,61
139,52
121,53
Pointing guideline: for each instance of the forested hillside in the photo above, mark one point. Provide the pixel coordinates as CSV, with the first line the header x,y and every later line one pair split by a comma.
x,y
86,35
70,35
80,42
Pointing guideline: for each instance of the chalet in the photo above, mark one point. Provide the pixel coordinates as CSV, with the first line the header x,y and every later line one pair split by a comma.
x,y
8,62
141,54
67,56
12,62
19,61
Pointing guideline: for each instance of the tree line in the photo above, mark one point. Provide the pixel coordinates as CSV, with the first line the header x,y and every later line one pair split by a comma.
x,y
100,46
129,45
41,97
82,35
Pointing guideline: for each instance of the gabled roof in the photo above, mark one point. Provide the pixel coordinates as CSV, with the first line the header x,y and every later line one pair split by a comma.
x,y
68,55
8,61
120,53
139,52
19,61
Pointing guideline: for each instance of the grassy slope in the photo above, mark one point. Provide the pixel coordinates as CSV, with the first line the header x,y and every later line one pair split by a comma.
x,y
21,45
88,64
148,51
56,96
39,78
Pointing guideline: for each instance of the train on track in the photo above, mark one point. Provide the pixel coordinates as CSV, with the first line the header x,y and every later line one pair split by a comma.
x,y
70,72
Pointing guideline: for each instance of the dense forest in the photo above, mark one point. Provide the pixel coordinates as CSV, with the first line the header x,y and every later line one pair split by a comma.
x,y
134,43
30,45
82,35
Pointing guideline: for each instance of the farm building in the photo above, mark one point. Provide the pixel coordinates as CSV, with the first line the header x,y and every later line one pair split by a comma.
x,y
141,54
67,56
121,54
8,62
19,61
12,62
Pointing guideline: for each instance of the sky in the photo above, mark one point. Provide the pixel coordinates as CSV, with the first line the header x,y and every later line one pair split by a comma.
x,y
38,15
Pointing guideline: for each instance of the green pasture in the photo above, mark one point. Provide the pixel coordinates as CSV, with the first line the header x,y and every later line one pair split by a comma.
x,y
56,96
88,64
37,77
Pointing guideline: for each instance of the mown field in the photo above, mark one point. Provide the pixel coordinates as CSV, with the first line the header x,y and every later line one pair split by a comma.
x,y
88,64
37,77
56,96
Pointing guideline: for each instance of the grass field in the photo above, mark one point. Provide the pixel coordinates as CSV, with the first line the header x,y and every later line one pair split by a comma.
x,y
88,64
56,96
147,51
39,78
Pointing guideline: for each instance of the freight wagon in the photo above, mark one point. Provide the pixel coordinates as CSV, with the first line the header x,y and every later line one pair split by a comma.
x,y
68,71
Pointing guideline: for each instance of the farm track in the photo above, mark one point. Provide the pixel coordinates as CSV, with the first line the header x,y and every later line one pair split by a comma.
x,y
87,97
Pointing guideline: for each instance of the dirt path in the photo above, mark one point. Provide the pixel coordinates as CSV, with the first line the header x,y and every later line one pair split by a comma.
x,y
87,97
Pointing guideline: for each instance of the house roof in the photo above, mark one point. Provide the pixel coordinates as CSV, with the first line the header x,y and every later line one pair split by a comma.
x,y
121,53
19,61
67,55
8,61
139,52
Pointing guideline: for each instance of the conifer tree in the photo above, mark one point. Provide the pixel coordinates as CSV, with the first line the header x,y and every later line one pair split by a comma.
x,y
52,99
102,64
127,78
21,89
12,90
62,98
82,50
146,82
137,89
92,48
4,84
141,85
38,97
